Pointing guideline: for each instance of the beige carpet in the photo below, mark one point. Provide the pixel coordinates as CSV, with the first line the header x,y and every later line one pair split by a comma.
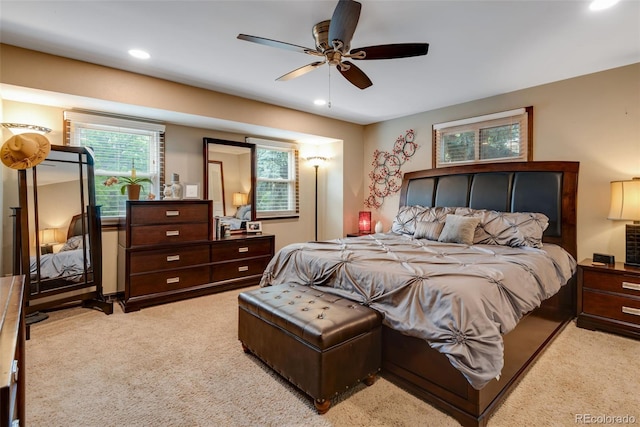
x,y
180,364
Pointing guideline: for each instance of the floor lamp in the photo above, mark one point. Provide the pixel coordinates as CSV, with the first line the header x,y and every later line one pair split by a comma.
x,y
316,161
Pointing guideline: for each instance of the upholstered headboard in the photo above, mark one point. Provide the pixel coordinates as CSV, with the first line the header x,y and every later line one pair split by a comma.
x,y
546,187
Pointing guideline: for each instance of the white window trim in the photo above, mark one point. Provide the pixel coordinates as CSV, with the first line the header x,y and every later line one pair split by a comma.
x,y
523,115
292,148
101,121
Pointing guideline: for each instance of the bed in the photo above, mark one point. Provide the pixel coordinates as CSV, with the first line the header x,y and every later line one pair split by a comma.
x,y
69,265
462,322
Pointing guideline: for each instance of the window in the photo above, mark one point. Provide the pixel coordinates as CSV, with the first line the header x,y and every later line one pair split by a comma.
x,y
504,136
276,179
118,145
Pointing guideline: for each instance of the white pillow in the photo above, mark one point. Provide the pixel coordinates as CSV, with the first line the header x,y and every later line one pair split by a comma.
x,y
459,229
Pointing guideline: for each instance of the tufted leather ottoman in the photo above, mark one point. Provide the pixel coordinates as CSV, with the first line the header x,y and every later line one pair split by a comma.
x,y
321,343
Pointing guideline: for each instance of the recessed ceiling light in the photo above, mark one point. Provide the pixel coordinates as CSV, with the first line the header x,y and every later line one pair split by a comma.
x,y
320,102
602,4
140,54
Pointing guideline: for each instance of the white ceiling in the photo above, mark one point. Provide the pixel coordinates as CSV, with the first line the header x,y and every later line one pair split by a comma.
x,y
477,48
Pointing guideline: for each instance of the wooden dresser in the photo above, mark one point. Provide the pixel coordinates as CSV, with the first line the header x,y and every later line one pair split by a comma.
x,y
166,252
609,298
12,343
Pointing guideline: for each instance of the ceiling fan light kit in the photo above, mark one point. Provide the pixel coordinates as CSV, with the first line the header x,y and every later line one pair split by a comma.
x,y
333,40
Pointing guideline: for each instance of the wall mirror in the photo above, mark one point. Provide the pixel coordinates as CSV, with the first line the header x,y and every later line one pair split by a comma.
x,y
229,178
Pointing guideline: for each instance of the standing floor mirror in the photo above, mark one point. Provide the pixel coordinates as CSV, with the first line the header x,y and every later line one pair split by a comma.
x,y
58,232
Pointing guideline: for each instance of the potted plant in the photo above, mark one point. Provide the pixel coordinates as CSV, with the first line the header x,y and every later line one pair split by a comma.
x,y
132,185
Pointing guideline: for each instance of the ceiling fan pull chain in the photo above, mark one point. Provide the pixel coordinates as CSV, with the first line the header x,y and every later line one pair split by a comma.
x,y
329,103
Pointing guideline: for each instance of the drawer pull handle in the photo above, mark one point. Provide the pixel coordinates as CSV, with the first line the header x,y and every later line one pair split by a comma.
x,y
172,213
173,280
170,233
246,268
631,310
173,258
632,286
14,369
243,249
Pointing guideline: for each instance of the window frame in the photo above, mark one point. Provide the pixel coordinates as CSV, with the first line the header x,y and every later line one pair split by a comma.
x,y
523,116
129,125
293,181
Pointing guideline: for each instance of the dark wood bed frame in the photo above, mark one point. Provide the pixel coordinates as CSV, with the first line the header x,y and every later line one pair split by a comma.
x,y
546,187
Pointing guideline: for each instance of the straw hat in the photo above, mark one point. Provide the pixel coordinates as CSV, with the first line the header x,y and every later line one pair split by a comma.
x,y
25,150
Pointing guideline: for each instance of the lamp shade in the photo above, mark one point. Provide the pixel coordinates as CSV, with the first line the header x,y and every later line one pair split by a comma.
x,y
239,199
48,236
364,222
625,200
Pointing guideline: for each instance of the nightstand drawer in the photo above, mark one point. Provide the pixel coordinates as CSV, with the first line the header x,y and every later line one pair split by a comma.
x,y
611,306
619,283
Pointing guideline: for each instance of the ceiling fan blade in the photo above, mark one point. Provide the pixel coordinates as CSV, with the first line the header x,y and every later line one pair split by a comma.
x,y
278,44
392,51
343,23
355,75
300,71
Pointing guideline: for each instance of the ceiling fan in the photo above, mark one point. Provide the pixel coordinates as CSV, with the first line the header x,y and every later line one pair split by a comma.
x,y
333,39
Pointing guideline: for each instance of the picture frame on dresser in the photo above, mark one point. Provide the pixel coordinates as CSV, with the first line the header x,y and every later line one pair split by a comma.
x,y
191,191
254,227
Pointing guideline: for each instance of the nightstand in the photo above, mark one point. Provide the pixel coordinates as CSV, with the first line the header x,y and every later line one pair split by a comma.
x,y
356,234
46,249
609,298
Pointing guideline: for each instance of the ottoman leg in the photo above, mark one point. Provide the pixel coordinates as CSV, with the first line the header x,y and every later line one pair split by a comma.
x,y
322,405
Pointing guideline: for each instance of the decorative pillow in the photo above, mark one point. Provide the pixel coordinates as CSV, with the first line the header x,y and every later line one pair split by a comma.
x,y
242,211
75,242
428,230
459,229
507,228
247,214
408,216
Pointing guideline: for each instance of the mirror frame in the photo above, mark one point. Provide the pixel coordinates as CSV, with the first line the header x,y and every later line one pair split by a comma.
x,y
251,147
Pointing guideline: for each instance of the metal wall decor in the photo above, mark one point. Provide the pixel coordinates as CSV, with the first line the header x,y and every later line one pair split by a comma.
x,y
386,177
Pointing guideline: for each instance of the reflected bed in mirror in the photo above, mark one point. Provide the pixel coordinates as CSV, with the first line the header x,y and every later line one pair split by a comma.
x,y
229,178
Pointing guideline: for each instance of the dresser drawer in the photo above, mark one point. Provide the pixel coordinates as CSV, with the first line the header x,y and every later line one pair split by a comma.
x,y
619,283
172,213
238,269
169,280
224,251
611,306
168,234
166,259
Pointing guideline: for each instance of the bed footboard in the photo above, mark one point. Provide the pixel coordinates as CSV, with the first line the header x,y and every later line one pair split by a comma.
x,y
413,365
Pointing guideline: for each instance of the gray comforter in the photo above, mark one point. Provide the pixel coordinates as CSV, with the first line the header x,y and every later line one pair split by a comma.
x,y
67,265
460,299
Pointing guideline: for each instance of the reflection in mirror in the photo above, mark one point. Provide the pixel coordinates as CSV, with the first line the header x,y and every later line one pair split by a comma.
x,y
229,179
61,235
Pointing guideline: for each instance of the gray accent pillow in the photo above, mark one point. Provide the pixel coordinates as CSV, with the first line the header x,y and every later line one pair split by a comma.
x,y
75,242
428,230
459,229
507,228
408,216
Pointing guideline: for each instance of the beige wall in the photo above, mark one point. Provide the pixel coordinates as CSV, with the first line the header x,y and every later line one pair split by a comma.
x,y
30,69
593,119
